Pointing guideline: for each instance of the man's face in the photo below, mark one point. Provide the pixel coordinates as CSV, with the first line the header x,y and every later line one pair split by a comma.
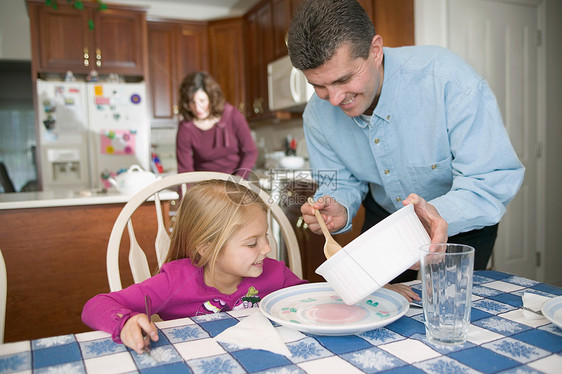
x,y
352,84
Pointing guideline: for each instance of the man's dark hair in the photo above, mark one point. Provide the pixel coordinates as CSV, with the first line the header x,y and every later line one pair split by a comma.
x,y
320,27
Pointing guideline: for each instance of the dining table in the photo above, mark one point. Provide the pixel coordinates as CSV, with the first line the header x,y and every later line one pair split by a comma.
x,y
501,339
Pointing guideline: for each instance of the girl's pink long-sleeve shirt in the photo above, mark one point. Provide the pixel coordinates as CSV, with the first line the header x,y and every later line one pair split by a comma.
x,y
179,291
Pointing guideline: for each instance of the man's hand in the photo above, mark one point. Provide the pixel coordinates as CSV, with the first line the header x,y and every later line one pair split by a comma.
x,y
334,214
434,224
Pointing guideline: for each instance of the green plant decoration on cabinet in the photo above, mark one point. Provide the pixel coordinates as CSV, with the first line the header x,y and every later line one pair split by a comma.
x,y
79,5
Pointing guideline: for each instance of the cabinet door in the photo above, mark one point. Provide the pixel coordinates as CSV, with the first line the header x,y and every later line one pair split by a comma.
x,y
227,59
120,42
161,69
394,21
281,18
252,63
60,41
191,52
174,50
260,52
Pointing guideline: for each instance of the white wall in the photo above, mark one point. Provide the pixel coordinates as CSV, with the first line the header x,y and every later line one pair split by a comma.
x,y
431,28
15,41
553,138
192,10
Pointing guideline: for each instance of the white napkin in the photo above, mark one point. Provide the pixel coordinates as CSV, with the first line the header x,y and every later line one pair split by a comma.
x,y
533,302
255,332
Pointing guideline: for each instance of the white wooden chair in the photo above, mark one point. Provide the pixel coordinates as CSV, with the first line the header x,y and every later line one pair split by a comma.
x,y
137,257
3,296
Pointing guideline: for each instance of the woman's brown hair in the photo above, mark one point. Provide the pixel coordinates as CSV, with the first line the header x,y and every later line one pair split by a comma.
x,y
200,80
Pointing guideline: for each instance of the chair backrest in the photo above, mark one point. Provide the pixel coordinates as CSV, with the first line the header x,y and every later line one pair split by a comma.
x,y
3,295
5,179
137,257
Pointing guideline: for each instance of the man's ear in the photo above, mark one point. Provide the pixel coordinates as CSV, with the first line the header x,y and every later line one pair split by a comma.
x,y
377,48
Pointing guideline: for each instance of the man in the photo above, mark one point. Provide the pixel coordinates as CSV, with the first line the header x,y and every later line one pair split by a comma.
x,y
398,126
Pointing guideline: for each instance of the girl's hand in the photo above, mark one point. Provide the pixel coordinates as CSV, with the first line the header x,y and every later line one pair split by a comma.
x,y
131,334
403,290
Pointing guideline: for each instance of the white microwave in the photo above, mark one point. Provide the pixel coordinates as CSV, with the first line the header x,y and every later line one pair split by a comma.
x,y
287,86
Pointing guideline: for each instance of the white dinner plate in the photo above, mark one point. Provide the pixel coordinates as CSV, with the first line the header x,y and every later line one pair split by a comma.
x,y
316,308
552,310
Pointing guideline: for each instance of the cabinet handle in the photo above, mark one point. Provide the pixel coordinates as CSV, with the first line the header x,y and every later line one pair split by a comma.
x,y
258,105
98,57
86,57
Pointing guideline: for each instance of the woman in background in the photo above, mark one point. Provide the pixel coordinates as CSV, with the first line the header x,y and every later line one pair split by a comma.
x,y
213,135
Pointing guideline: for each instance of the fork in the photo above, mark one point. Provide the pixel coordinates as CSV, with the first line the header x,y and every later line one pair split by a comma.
x,y
148,306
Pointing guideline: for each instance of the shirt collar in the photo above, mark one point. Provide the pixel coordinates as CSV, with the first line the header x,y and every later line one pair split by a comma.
x,y
390,86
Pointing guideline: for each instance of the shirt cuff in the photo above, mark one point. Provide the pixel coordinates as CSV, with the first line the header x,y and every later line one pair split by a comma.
x,y
120,317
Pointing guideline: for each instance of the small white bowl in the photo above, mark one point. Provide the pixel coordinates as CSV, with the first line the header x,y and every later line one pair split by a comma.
x,y
291,162
376,257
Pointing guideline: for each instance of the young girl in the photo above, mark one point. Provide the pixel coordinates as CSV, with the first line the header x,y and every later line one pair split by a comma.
x,y
216,262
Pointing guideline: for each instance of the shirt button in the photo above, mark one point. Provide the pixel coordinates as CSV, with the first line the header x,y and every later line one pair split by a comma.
x,y
398,199
377,141
434,166
387,171
388,117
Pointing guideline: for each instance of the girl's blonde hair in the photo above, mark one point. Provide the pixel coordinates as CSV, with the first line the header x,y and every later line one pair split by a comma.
x,y
210,213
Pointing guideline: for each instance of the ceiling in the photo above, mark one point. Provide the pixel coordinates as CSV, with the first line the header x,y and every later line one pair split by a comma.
x,y
193,9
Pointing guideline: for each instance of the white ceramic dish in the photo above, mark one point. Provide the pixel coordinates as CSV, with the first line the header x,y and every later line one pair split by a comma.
x,y
552,310
376,257
291,162
315,308
133,180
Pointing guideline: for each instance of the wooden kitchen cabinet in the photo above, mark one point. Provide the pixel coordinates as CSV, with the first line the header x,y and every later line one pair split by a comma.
x,y
175,49
394,21
56,261
266,26
281,19
226,49
63,39
259,52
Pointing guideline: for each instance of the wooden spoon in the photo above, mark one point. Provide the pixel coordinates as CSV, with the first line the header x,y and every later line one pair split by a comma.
x,y
331,246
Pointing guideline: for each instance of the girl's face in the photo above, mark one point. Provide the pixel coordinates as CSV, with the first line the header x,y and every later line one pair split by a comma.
x,y
200,104
243,254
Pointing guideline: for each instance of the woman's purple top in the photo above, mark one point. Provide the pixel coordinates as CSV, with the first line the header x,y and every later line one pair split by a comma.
x,y
227,147
179,291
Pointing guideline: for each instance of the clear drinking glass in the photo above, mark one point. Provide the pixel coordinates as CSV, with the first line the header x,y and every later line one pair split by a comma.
x,y
446,274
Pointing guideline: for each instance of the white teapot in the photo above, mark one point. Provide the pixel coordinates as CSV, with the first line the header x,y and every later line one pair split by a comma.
x,y
133,180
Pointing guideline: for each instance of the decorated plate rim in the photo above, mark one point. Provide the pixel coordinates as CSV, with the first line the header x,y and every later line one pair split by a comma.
x,y
270,300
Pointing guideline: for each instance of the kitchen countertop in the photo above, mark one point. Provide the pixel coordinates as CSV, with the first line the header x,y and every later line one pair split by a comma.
x,y
270,180
43,199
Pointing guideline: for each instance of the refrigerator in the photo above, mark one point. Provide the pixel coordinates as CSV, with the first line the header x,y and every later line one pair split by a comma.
x,y
90,131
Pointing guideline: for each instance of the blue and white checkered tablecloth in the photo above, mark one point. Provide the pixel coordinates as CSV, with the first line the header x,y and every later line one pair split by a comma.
x,y
500,340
